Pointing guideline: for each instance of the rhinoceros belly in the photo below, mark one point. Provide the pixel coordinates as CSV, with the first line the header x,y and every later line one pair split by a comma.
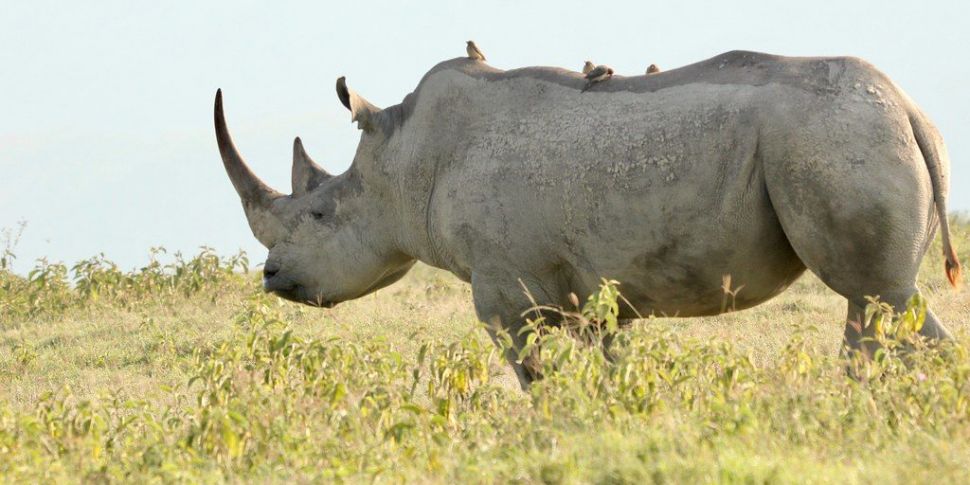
x,y
701,245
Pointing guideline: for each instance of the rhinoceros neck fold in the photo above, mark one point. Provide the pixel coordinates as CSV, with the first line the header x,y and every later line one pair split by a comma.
x,y
406,185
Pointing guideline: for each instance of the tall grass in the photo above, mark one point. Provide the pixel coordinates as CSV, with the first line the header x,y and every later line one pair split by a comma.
x,y
51,289
266,404
207,379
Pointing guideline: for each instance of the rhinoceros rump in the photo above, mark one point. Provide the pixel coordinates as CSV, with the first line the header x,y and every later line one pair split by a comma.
x,y
749,165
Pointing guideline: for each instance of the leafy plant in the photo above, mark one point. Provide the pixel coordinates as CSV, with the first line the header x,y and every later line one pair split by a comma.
x,y
50,289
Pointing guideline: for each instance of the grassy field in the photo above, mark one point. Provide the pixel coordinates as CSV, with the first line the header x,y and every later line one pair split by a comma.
x,y
187,372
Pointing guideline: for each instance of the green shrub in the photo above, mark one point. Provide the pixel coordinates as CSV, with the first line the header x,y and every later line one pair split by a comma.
x,y
265,403
50,289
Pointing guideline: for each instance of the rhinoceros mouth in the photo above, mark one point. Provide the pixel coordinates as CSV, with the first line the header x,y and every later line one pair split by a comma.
x,y
320,303
299,294
288,289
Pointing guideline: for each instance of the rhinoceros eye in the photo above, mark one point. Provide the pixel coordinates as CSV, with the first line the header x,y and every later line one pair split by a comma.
x,y
321,213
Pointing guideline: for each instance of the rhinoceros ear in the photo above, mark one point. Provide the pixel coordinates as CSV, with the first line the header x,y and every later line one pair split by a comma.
x,y
361,110
306,175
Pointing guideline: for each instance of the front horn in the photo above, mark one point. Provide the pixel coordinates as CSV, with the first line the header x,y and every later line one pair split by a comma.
x,y
250,188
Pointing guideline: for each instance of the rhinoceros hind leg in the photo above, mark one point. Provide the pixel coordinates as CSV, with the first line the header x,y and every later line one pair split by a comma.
x,y
859,237
857,337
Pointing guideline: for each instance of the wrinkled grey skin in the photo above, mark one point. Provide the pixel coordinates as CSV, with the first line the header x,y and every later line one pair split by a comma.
x,y
746,164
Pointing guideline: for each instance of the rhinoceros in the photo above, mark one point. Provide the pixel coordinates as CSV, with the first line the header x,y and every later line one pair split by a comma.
x,y
750,165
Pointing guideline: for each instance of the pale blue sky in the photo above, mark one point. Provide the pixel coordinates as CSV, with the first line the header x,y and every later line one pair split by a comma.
x,y
106,139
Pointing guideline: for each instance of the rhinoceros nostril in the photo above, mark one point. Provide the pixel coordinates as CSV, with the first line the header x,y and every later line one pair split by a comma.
x,y
270,270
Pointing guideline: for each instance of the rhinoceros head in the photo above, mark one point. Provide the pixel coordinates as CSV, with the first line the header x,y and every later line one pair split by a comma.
x,y
328,241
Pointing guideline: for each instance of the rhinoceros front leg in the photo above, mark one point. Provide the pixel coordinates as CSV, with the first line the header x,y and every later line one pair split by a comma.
x,y
499,304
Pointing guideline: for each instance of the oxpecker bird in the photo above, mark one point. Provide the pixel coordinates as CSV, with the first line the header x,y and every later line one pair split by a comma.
x,y
474,53
653,69
598,74
589,66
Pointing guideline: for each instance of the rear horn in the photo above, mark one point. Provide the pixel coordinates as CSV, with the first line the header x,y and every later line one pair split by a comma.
x,y
306,174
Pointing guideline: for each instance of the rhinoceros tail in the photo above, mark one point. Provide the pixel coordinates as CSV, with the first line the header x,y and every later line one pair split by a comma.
x,y
936,159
